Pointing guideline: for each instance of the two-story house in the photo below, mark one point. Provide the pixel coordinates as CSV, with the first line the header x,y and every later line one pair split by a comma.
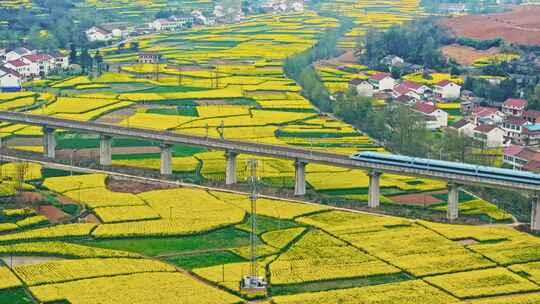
x,y
489,136
435,117
382,81
447,90
514,106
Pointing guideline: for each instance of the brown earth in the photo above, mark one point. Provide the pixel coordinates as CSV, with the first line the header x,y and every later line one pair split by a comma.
x,y
132,186
94,153
29,197
53,214
418,199
465,55
521,25
90,218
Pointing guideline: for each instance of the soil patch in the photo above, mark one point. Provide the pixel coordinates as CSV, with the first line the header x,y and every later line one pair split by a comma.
x,y
521,25
467,242
90,218
94,153
53,214
29,197
27,260
64,200
116,184
417,199
465,55
116,116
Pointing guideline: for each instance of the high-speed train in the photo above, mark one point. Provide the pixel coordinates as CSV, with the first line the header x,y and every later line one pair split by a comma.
x,y
448,167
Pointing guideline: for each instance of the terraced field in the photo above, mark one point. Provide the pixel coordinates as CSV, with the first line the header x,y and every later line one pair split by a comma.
x,y
165,241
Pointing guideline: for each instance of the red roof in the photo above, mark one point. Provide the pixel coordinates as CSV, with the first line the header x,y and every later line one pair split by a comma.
x,y
17,63
532,166
484,111
529,154
38,57
404,98
425,108
459,124
401,89
412,85
485,128
444,83
513,150
515,103
517,121
379,76
356,81
532,114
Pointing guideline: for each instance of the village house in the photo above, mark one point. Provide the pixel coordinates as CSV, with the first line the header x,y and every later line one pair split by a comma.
x,y
466,107
401,90
489,136
530,136
149,57
435,117
486,115
39,64
17,54
532,116
10,81
172,23
382,81
464,127
513,126
522,158
392,61
98,34
282,6
363,88
514,106
20,67
447,90
61,61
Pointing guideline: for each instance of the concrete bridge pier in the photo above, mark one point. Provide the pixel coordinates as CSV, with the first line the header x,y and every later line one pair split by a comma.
x,y
49,142
535,213
166,159
300,178
105,150
452,212
374,189
230,171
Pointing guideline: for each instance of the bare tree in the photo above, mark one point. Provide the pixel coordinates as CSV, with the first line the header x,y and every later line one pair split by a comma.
x,y
21,173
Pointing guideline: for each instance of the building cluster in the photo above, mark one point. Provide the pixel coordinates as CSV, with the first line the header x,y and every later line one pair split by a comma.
x,y
420,97
23,64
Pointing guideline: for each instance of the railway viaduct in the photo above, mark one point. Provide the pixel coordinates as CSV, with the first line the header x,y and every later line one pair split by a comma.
x,y
233,148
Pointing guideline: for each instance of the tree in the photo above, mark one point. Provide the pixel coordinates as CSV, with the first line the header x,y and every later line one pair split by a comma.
x,y
73,54
134,46
99,61
21,173
85,61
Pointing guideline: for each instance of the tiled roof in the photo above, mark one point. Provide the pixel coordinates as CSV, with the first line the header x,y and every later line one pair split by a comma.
x,y
517,121
379,76
17,63
38,57
402,90
425,108
412,85
484,111
460,124
485,128
513,150
443,83
9,71
515,103
532,114
356,81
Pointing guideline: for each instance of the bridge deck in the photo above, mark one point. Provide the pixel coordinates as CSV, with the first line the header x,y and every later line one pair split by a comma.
x,y
275,151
